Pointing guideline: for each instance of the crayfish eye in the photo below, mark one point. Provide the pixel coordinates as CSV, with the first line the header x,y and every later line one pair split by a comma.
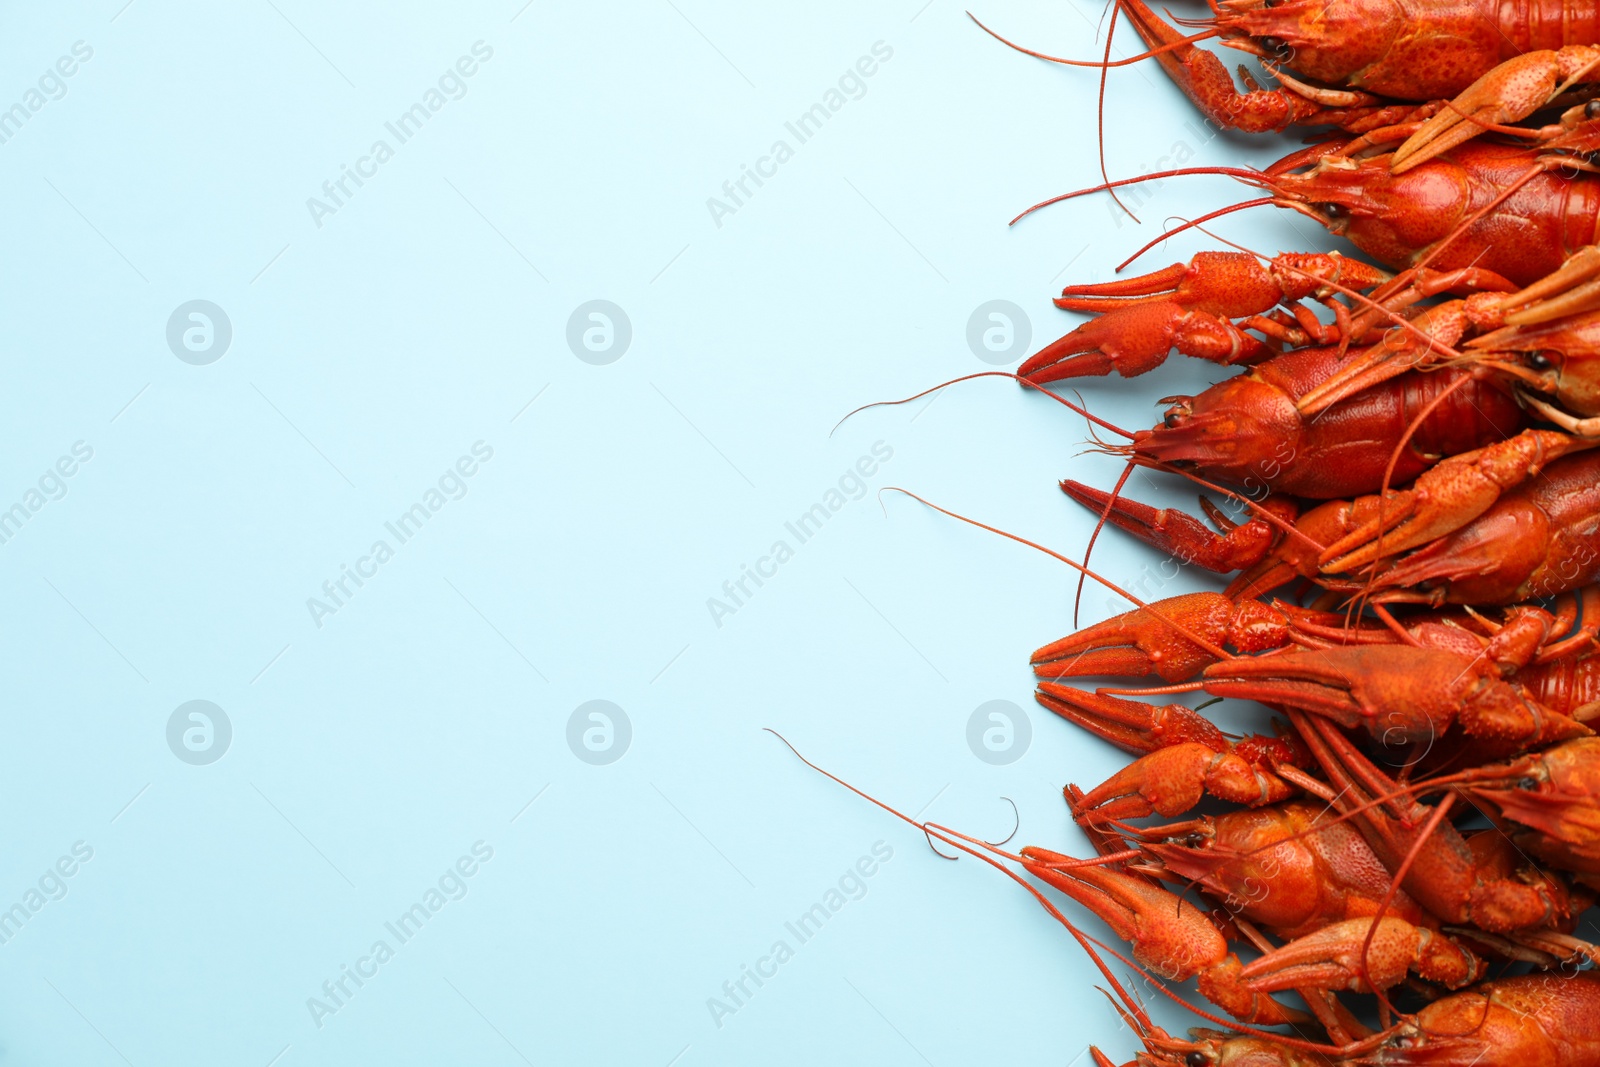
x,y
1332,211
1591,110
1539,361
1195,840
1276,47
1171,421
1528,784
1196,1059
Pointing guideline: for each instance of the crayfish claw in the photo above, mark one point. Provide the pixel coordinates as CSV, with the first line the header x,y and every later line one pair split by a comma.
x,y
1157,639
1134,339
1186,757
1169,936
1340,956
1447,498
1509,93
1181,535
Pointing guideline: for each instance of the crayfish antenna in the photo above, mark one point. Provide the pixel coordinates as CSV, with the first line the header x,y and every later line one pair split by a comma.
x,y
1100,110
1105,63
1016,824
1244,174
1088,550
986,852
1126,62
1088,416
1195,224
1188,633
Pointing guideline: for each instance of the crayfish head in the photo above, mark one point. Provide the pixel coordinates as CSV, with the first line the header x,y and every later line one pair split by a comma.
x,y
1327,42
1392,217
1257,1052
1240,430
1163,1050
1580,136
1218,1048
1559,360
1186,849
1214,1048
1202,1049
1556,791
1571,376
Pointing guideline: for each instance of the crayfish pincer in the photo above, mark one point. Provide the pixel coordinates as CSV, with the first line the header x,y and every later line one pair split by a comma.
x,y
1397,693
1191,306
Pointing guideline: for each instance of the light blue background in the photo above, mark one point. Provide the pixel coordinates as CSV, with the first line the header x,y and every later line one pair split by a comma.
x,y
425,315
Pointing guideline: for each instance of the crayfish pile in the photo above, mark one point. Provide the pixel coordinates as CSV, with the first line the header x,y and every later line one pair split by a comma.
x,y
1410,509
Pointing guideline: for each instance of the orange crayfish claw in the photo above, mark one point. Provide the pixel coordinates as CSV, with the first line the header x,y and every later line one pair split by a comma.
x,y
1234,284
1169,936
1135,339
1448,497
1508,93
1397,693
1236,547
1141,641
1205,80
1186,757
1129,724
1339,956
1167,782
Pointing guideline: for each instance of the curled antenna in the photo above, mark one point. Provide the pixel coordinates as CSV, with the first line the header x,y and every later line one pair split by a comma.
x,y
1016,824
925,833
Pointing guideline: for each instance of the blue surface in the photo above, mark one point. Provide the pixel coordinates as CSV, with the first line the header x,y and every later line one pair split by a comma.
x,y
384,733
